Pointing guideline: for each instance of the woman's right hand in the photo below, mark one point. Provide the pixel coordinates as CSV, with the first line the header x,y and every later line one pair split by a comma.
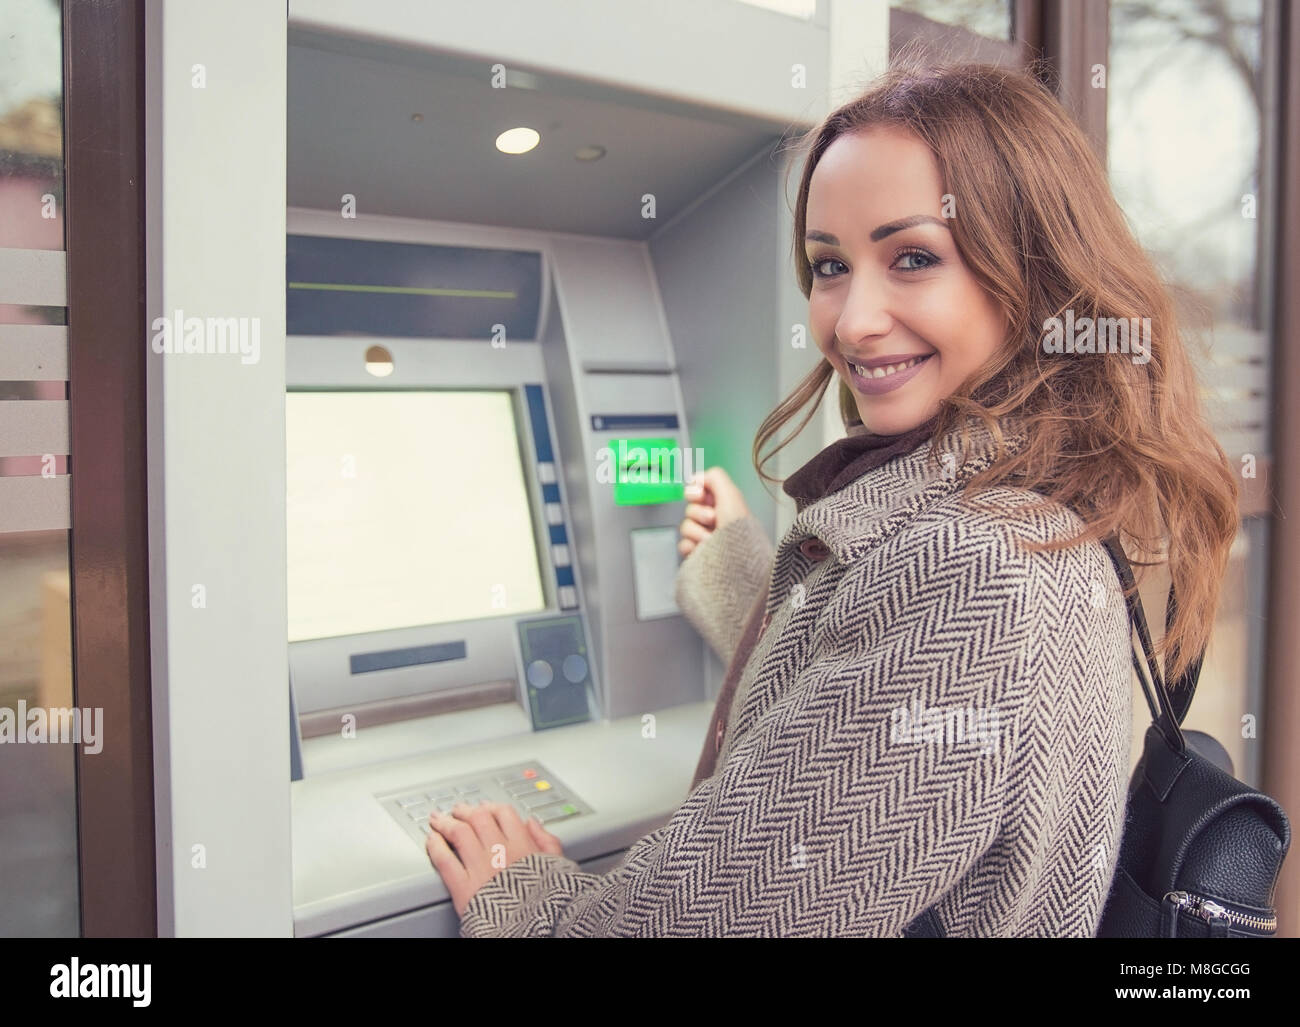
x,y
712,501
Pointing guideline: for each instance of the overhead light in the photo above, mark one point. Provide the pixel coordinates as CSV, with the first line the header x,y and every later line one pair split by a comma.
x,y
517,140
589,152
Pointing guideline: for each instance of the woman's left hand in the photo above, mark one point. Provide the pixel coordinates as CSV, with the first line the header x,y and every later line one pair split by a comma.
x,y
472,844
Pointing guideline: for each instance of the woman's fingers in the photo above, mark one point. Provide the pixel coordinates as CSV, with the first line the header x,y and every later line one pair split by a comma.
x,y
715,485
705,515
694,531
451,869
543,838
473,833
518,841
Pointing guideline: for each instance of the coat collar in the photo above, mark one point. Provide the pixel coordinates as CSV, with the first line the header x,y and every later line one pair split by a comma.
x,y
857,517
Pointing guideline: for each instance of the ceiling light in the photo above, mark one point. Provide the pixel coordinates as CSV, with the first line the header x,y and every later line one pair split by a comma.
x,y
517,140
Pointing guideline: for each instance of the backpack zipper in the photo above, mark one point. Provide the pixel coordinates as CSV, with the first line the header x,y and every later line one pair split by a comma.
x,y
1212,912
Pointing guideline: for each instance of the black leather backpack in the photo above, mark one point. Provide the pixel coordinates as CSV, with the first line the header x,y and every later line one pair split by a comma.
x,y
1201,851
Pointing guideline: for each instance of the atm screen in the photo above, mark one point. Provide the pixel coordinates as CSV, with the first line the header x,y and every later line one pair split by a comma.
x,y
405,509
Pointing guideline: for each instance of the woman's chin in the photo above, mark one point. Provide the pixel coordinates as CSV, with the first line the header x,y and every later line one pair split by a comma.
x,y
893,422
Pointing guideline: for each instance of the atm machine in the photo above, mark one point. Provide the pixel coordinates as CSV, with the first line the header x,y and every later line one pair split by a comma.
x,y
482,517
487,440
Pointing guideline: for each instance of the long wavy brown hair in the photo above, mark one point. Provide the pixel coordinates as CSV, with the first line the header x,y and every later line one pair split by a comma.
x,y
1125,445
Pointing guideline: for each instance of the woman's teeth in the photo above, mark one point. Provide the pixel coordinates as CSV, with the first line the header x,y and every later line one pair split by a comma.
x,y
887,370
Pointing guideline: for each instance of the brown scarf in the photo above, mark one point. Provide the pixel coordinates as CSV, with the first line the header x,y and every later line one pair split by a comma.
x,y
840,463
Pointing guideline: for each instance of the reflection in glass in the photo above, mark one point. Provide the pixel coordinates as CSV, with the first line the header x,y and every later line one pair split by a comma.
x,y
990,18
38,813
1186,100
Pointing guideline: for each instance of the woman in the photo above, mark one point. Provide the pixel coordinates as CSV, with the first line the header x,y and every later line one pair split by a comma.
x,y
927,707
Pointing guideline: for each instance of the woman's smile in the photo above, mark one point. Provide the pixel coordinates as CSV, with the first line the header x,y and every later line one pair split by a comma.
x,y
888,283
875,378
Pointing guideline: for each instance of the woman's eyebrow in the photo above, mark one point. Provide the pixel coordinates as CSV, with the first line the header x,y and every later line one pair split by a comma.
x,y
882,231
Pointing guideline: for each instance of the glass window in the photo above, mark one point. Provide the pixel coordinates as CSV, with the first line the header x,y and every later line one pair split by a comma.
x,y
991,18
1188,152
38,811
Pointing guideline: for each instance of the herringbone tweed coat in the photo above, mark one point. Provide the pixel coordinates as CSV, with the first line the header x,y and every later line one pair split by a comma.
x,y
931,717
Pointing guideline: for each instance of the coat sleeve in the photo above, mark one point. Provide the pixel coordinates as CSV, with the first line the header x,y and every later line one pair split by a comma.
x,y
718,583
832,815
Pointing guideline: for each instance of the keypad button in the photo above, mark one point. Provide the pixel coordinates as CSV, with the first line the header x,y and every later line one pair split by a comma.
x,y
575,668
550,813
540,674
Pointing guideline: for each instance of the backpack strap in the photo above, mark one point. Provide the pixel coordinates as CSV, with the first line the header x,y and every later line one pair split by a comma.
x,y
1166,712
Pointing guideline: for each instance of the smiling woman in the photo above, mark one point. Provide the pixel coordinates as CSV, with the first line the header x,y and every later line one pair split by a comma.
x,y
940,218
952,212
892,303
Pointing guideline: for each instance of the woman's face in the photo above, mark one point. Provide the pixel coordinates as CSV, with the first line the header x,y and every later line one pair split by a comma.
x,y
886,290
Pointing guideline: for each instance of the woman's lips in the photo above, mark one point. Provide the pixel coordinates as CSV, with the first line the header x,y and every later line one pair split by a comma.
x,y
890,382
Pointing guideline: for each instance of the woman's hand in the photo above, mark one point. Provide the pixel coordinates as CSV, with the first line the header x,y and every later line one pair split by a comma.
x,y
713,502
472,844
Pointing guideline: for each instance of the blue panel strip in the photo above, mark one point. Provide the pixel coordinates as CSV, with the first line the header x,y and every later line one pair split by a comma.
x,y
564,575
537,418
551,493
558,534
632,422
364,663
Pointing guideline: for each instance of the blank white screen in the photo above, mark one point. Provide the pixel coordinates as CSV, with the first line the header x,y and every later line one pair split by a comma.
x,y
405,508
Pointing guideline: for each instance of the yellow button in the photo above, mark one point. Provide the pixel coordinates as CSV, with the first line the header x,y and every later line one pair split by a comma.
x,y
542,785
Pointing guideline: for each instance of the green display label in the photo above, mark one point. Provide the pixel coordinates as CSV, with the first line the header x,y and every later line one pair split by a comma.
x,y
647,471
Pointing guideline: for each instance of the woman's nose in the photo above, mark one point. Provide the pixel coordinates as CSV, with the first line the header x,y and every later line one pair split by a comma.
x,y
865,314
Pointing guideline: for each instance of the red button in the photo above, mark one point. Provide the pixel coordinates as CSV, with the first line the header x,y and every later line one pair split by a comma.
x,y
717,738
530,773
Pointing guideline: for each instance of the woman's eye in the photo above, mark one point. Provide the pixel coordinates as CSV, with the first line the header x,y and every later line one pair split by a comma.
x,y
928,260
817,265
921,261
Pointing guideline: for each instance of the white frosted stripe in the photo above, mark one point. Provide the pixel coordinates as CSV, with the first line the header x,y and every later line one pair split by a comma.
x,y
33,353
33,427
1231,341
37,278
33,503
1235,443
1238,376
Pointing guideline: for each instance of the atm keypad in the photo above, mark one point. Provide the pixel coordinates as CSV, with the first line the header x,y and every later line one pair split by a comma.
x,y
529,787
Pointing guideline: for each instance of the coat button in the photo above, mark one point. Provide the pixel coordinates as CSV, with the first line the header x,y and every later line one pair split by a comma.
x,y
717,736
814,549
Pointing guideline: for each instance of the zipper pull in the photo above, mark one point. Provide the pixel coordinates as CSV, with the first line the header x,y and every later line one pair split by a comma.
x,y
1216,916
1174,901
